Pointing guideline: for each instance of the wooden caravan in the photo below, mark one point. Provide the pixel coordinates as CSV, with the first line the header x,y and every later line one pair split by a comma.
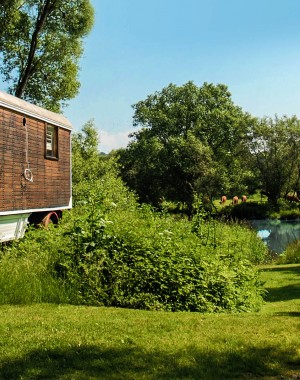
x,y
35,165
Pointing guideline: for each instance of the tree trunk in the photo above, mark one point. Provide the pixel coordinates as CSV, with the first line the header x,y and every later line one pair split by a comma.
x,y
47,8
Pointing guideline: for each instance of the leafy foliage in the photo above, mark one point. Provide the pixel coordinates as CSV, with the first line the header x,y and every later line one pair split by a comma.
x,y
158,171
275,147
40,47
140,259
190,141
291,255
194,140
111,251
246,211
121,254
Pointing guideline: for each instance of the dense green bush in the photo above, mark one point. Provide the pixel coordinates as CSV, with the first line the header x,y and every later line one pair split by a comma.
x,y
247,210
120,254
291,255
290,214
229,236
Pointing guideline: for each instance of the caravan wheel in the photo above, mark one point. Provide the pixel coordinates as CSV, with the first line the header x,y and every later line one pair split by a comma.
x,y
50,218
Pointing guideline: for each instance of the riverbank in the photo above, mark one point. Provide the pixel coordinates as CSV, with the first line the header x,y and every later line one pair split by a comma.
x,y
277,234
277,225
253,209
77,342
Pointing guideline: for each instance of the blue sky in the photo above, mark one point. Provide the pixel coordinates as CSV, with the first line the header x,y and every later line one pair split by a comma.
x,y
138,47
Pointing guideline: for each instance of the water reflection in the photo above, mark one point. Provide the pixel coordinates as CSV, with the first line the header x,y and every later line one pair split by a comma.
x,y
264,234
277,234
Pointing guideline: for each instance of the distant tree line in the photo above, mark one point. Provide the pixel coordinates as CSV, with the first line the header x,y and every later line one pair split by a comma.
x,y
194,140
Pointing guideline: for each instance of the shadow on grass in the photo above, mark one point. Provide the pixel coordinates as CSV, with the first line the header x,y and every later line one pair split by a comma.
x,y
284,293
92,362
294,270
287,292
288,314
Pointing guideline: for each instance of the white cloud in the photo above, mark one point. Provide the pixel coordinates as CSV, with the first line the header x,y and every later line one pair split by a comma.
x,y
110,141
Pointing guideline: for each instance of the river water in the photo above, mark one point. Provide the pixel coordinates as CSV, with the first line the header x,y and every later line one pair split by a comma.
x,y
277,234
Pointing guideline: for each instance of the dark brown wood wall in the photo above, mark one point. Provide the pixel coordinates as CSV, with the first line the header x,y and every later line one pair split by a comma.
x,y
51,178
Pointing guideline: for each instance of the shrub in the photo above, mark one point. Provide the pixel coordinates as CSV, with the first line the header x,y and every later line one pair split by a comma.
x,y
289,214
291,255
247,210
229,236
141,259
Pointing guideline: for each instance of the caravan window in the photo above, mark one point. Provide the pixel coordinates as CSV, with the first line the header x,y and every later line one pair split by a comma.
x,y
51,141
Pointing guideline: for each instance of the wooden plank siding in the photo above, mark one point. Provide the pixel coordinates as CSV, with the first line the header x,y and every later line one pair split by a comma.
x,y
51,186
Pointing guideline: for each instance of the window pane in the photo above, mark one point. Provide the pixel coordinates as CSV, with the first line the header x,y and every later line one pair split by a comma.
x,y
51,141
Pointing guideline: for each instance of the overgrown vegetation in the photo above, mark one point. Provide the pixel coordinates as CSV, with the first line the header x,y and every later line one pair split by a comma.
x,y
139,259
291,255
111,251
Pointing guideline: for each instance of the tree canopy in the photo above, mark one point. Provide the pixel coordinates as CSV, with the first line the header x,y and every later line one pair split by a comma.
x,y
189,140
40,47
207,111
274,145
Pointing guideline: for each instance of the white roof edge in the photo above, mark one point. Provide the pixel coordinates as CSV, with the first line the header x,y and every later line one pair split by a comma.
x,y
28,109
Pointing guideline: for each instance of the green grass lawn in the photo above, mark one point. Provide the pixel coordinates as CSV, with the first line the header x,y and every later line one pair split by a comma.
x,y
46,341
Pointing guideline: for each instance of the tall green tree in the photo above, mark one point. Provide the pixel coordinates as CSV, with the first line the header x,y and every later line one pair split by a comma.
x,y
173,171
274,145
85,152
41,42
207,111
87,163
190,140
